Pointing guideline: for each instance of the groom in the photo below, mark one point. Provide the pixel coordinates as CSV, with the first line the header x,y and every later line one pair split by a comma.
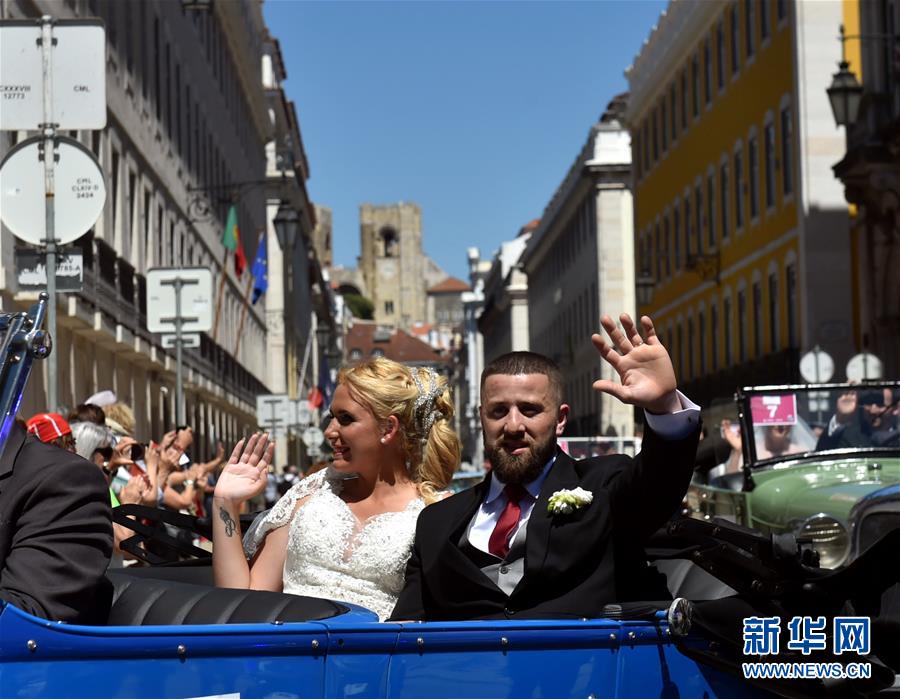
x,y
514,546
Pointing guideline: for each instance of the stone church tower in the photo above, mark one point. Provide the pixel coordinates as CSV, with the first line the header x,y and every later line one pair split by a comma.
x,y
392,263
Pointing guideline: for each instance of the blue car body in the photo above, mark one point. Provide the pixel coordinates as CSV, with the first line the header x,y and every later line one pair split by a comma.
x,y
352,655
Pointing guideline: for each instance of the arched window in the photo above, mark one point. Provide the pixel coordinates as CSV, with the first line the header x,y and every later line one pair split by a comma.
x,y
390,242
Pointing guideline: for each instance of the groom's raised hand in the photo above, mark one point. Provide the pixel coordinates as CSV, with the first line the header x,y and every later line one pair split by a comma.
x,y
643,364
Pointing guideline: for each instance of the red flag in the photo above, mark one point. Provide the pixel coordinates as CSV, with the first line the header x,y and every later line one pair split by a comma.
x,y
240,259
315,397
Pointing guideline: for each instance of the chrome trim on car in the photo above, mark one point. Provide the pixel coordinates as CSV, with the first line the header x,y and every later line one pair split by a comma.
x,y
820,516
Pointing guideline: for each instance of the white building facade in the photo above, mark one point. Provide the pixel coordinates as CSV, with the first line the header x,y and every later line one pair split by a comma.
x,y
186,137
580,265
504,318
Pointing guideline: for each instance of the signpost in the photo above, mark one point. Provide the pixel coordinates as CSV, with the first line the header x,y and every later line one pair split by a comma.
x,y
191,340
817,367
75,59
179,299
31,270
277,413
302,416
312,438
273,413
52,78
864,366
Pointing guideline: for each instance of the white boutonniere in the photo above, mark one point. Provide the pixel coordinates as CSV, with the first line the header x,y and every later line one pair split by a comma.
x,y
565,502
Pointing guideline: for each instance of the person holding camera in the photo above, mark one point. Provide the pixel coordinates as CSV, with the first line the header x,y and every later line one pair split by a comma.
x,y
861,419
95,444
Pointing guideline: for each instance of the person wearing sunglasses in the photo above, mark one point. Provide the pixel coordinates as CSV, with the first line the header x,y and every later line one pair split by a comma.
x,y
95,443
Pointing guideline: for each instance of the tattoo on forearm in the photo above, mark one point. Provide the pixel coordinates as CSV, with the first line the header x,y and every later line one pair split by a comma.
x,y
229,521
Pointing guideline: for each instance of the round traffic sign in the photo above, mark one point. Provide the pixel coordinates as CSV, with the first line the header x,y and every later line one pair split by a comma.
x,y
817,366
80,191
312,436
864,366
304,414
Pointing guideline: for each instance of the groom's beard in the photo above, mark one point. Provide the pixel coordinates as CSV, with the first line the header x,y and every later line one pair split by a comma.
x,y
520,469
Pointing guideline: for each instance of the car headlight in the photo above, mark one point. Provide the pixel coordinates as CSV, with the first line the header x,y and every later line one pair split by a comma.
x,y
829,538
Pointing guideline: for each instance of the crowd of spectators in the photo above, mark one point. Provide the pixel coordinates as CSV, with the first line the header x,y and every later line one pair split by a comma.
x,y
155,473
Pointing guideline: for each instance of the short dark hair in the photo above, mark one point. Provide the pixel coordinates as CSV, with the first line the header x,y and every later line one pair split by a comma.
x,y
513,363
88,412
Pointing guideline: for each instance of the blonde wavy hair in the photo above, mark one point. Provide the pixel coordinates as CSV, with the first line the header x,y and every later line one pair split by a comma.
x,y
420,400
122,415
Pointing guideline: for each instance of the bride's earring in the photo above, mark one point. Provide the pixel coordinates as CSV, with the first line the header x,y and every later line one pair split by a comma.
x,y
384,440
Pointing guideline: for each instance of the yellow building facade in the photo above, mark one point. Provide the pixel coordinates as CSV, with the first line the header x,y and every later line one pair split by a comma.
x,y
741,232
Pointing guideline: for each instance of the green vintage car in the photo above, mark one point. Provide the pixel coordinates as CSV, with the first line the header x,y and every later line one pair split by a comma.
x,y
823,463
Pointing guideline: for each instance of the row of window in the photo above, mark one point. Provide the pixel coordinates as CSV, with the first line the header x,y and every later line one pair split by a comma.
x,y
584,402
154,411
722,204
449,315
356,354
571,326
165,85
720,333
576,235
708,67
147,231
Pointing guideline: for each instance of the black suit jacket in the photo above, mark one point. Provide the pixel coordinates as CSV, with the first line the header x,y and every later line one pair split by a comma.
x,y
55,532
574,564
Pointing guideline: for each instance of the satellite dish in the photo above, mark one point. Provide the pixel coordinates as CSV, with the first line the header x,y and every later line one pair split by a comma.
x,y
80,191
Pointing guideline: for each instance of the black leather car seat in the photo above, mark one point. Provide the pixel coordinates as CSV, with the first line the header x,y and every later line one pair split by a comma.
x,y
139,601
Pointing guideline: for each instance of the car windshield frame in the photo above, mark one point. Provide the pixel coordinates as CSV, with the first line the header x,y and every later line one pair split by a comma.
x,y
743,397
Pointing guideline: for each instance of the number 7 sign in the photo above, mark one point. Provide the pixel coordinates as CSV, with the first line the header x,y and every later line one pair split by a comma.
x,y
774,410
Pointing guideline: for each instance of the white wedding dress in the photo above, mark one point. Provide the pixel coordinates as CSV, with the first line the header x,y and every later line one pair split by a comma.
x,y
331,554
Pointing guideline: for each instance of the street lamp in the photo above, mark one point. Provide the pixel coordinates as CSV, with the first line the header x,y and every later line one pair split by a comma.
x,y
845,94
845,91
286,223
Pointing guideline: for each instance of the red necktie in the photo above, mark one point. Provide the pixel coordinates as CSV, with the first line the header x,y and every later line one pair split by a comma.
x,y
498,544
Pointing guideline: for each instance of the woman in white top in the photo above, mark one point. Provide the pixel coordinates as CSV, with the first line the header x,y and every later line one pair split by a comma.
x,y
344,533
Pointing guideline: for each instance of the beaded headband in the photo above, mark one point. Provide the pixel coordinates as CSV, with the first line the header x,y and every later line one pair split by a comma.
x,y
424,410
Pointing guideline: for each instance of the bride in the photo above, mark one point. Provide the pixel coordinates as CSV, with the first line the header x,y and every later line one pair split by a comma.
x,y
344,533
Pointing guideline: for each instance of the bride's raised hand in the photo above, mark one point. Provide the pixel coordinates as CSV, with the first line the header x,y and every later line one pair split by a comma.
x,y
246,472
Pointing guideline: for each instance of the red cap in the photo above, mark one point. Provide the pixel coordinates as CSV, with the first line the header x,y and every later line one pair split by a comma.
x,y
48,426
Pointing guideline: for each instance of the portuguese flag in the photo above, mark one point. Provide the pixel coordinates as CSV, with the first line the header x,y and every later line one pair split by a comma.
x,y
231,239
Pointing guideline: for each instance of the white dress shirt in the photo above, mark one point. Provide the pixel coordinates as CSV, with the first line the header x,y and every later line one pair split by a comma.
x,y
670,427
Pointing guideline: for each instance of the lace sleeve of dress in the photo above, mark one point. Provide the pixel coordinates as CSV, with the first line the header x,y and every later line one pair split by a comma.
x,y
281,513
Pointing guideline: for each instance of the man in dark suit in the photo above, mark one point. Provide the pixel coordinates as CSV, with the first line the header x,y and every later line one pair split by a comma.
x,y
55,532
526,542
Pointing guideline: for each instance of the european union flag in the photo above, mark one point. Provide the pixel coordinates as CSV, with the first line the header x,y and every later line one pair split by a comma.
x,y
260,270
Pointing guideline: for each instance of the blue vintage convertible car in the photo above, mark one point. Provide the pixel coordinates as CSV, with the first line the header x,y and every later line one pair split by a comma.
x,y
172,634
183,640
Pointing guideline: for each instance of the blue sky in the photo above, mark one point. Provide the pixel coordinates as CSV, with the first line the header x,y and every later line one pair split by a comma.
x,y
473,110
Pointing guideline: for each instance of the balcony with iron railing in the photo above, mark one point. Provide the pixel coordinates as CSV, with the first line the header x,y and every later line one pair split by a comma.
x,y
113,288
